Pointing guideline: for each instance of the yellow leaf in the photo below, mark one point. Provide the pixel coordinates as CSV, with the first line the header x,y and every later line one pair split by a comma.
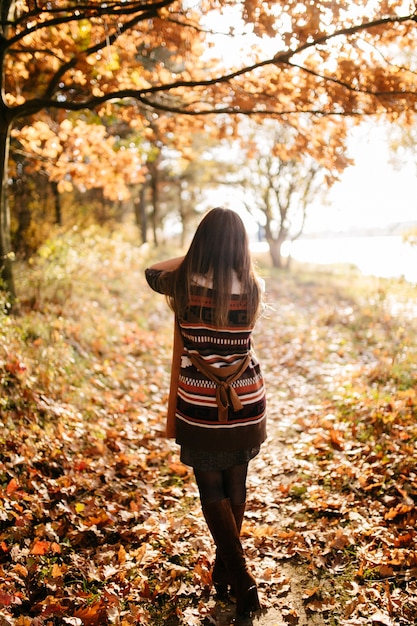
x,y
56,571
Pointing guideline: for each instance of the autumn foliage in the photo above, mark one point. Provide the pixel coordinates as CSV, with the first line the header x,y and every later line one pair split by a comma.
x,y
100,522
89,89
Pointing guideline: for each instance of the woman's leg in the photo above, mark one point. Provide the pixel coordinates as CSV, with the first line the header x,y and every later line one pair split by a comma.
x,y
223,496
234,480
210,485
221,521
229,483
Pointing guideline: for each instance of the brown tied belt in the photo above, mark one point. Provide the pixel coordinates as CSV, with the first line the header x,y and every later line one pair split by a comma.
x,y
223,377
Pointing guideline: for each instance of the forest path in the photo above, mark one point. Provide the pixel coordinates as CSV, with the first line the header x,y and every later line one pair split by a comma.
x,y
287,590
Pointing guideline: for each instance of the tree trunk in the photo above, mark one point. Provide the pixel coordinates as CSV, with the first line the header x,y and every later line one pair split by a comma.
x,y
155,202
57,203
275,252
6,254
139,206
275,242
20,207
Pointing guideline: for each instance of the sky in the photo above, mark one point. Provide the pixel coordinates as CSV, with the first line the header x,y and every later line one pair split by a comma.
x,y
372,192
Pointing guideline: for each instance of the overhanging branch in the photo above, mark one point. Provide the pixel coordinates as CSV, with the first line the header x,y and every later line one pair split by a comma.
x,y
38,105
149,97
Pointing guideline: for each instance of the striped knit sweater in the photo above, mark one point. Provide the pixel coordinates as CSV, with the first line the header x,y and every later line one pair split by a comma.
x,y
198,423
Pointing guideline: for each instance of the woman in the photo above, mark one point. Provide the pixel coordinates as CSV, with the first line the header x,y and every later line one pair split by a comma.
x,y
217,389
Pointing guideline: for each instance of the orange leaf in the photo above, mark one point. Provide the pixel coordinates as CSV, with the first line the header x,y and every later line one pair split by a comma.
x,y
340,540
336,439
6,599
309,593
12,486
406,539
284,534
93,615
40,547
400,509
121,555
385,571
179,469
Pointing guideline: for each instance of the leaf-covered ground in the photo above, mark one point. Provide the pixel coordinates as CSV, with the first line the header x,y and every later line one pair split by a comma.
x,y
100,522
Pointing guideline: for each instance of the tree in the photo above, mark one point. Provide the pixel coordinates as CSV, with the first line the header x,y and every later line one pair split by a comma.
x,y
172,149
73,56
73,152
328,59
188,173
286,170
289,186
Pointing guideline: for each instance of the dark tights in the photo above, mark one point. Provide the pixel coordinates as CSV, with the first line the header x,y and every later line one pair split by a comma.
x,y
228,483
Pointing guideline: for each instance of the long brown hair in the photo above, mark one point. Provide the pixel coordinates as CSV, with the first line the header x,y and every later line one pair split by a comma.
x,y
219,246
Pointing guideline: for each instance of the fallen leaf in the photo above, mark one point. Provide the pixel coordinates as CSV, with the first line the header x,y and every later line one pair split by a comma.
x,y
40,547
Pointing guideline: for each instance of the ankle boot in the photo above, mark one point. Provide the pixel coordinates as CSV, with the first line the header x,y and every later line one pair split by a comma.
x,y
219,573
222,524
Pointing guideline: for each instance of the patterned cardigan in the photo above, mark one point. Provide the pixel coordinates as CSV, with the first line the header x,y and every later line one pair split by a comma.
x,y
217,387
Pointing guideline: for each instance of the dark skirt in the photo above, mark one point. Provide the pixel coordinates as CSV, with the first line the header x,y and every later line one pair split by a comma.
x,y
209,461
